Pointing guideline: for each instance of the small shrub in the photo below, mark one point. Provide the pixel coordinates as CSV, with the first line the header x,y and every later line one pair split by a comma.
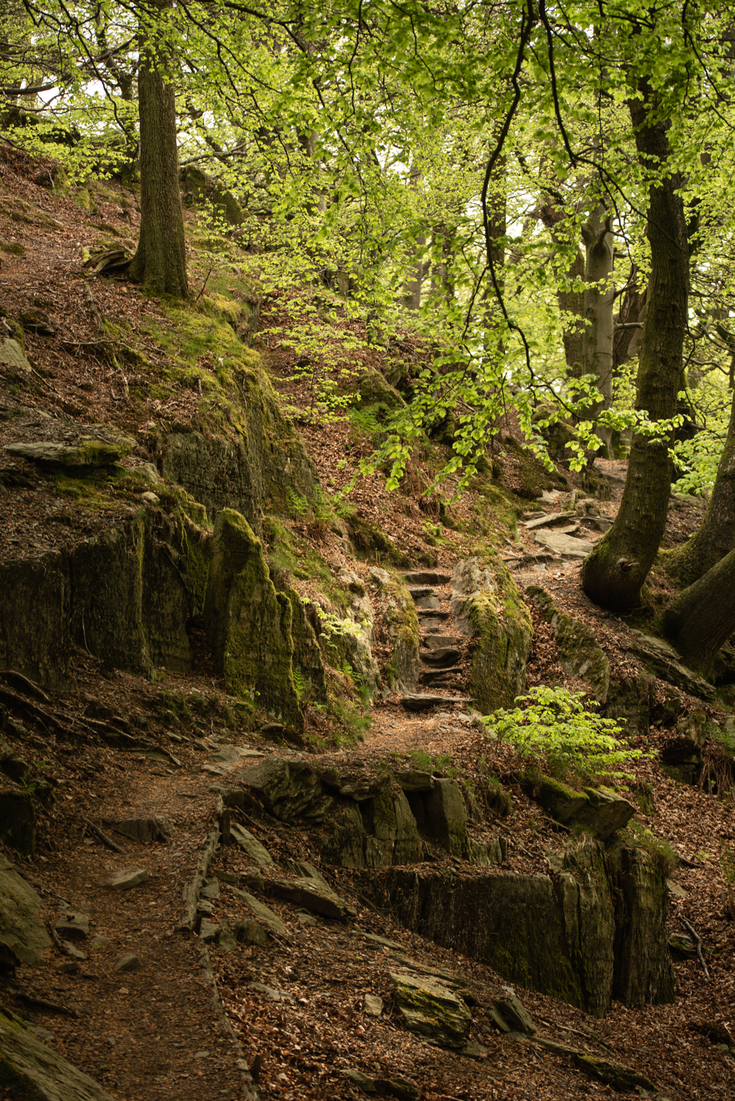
x,y
558,730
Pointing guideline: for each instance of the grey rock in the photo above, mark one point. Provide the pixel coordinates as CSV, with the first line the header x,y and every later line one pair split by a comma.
x,y
257,852
422,701
13,358
432,1010
150,498
288,788
250,932
380,577
71,967
74,926
37,1071
261,912
373,1005
513,1011
548,520
211,889
428,577
73,951
441,814
87,452
433,642
305,918
128,962
272,993
22,933
312,895
442,655
565,545
600,810
413,780
125,879
17,818
209,931
664,662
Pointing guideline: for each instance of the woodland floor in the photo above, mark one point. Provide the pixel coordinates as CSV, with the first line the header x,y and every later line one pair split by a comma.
x,y
157,1032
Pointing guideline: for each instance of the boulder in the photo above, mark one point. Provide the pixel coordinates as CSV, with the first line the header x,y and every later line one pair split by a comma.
x,y
13,358
600,810
86,452
288,788
314,894
30,1069
664,662
248,623
430,1009
441,814
487,606
356,644
402,668
257,852
22,933
593,930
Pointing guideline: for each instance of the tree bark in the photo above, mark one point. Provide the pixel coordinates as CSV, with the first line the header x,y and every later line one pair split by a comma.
x,y
702,618
614,573
599,298
160,259
716,536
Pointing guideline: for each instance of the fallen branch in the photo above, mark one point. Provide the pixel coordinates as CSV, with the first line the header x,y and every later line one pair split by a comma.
x,y
102,836
697,943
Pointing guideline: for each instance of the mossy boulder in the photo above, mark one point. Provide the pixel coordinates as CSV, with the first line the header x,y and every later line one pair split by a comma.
x,y
200,190
125,596
248,622
488,607
288,788
392,836
307,653
579,651
441,815
22,932
402,624
430,1009
643,972
599,810
31,1071
250,465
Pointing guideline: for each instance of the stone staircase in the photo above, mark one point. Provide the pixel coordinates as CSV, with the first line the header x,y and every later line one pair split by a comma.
x,y
441,652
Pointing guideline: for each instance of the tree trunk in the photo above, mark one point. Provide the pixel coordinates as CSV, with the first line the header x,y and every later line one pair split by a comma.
x,y
716,536
614,573
702,618
160,260
571,302
599,298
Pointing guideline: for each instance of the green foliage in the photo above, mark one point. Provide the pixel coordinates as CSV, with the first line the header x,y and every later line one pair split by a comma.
x,y
558,729
426,762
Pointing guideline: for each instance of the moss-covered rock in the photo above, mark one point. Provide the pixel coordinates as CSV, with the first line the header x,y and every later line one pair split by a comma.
x,y
430,1009
31,1071
441,815
250,465
487,606
307,653
579,651
402,669
21,929
248,622
643,972
392,836
599,810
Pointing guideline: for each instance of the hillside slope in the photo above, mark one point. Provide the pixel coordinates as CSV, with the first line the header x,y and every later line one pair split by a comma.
x,y
287,747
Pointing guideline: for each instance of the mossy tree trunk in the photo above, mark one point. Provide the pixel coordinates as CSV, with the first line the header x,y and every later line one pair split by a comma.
x,y
716,536
160,259
702,618
614,572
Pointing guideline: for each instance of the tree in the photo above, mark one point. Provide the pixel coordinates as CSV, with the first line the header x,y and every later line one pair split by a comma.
x,y
160,259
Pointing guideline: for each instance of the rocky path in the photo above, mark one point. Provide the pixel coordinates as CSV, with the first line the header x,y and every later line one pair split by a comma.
x,y
442,679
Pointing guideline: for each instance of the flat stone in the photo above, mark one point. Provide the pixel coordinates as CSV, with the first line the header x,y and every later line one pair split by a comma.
x,y
548,520
273,994
208,930
150,498
313,894
262,912
71,967
435,642
128,962
663,660
440,676
373,1005
257,852
426,603
427,577
413,780
125,879
442,655
565,545
73,951
73,926
211,889
422,701
87,452
512,1009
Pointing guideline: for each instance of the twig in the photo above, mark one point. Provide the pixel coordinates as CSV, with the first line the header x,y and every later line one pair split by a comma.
x,y
697,942
204,284
103,837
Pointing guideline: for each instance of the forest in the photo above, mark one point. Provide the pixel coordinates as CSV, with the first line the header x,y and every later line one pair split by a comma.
x,y
542,194
367,549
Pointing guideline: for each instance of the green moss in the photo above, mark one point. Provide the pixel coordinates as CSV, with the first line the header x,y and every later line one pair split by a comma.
x,y
372,544
501,624
579,650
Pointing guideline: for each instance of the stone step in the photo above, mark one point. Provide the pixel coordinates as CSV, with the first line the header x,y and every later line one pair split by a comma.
x,y
422,701
439,676
418,591
427,577
436,641
437,613
445,656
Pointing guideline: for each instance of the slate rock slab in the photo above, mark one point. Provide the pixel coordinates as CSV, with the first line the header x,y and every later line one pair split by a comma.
x,y
431,1009
22,933
12,356
565,545
262,912
33,1070
663,660
126,878
314,894
73,926
257,852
